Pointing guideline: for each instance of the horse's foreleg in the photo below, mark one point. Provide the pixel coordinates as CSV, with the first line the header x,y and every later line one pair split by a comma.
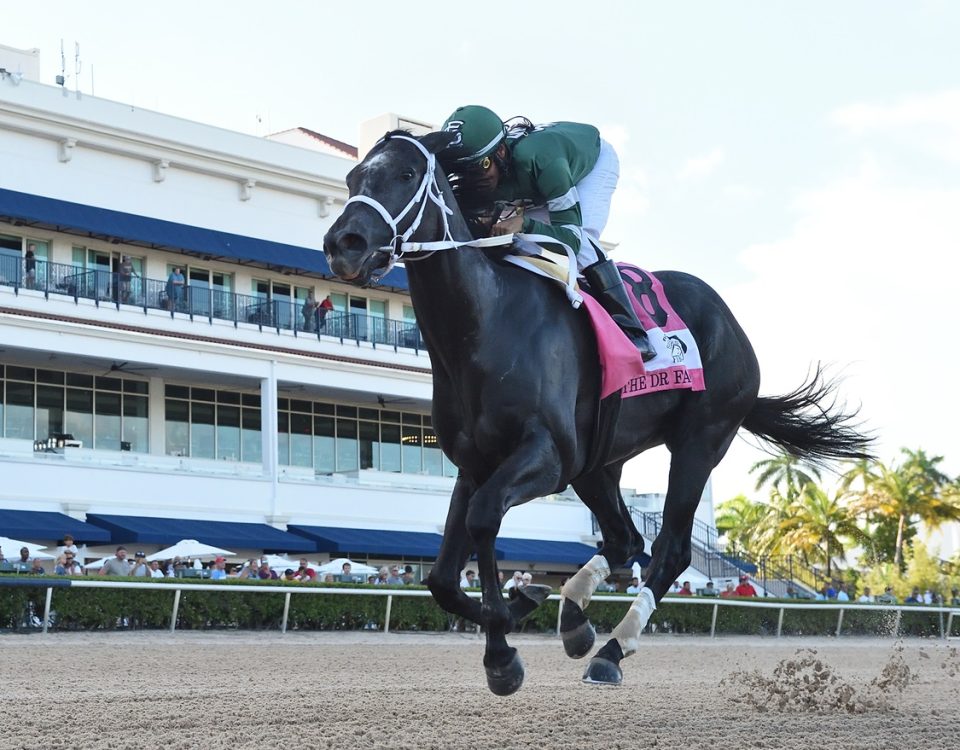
x,y
690,468
600,492
455,548
531,471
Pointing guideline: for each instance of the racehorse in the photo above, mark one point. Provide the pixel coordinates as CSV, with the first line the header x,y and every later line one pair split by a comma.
x,y
516,396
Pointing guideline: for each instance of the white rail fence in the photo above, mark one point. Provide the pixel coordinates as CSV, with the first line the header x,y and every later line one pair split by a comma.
x,y
946,626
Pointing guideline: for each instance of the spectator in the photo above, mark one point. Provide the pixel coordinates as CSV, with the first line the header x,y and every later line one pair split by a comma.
x,y
394,579
931,597
915,597
250,569
30,266
322,310
515,581
866,597
155,571
37,568
685,590
469,580
887,597
68,546
309,312
372,580
955,597
305,573
745,588
407,576
175,284
141,568
345,575
290,575
792,592
219,570
125,274
23,564
526,579
675,588
709,589
634,587
824,593
383,575
69,566
264,573
728,591
118,565
842,595
328,577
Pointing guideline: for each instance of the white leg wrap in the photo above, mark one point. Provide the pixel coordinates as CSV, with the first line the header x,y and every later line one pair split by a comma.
x,y
581,586
628,630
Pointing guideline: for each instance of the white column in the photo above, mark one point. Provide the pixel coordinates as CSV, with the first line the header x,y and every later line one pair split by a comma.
x,y
268,433
156,416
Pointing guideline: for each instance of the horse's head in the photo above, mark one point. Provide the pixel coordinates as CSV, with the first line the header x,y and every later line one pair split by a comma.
x,y
394,191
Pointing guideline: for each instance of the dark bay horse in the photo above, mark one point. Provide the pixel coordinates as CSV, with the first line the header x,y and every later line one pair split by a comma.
x,y
515,398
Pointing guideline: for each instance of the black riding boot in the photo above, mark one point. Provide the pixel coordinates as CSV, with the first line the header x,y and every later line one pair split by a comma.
x,y
607,286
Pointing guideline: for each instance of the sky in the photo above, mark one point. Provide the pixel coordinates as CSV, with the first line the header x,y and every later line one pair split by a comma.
x,y
802,158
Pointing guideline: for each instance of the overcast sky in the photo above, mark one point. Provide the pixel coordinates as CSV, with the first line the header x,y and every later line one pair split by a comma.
x,y
802,158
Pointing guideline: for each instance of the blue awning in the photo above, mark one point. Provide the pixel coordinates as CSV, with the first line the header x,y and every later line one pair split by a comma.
x,y
543,551
371,542
226,534
30,525
133,228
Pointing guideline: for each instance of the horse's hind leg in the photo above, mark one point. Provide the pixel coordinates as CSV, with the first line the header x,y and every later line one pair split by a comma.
x,y
690,467
600,492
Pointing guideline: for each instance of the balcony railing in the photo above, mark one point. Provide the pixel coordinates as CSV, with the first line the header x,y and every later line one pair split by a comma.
x,y
192,301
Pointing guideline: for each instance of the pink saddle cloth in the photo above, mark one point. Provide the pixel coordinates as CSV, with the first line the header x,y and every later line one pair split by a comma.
x,y
677,364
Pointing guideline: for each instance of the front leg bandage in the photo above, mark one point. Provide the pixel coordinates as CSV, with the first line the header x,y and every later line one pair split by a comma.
x,y
628,630
581,586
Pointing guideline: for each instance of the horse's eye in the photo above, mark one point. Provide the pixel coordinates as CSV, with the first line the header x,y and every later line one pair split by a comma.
x,y
407,175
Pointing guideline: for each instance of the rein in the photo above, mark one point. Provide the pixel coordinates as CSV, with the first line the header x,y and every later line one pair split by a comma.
x,y
400,248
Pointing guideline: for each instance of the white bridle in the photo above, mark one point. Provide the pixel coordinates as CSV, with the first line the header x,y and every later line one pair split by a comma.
x,y
429,191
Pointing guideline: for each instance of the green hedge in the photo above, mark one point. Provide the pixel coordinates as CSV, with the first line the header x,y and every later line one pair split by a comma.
x,y
91,609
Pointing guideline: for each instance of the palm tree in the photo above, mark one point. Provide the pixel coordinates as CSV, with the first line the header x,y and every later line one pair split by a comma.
x,y
785,474
744,523
817,526
910,492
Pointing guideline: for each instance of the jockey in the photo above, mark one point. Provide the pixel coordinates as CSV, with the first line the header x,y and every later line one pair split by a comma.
x,y
560,177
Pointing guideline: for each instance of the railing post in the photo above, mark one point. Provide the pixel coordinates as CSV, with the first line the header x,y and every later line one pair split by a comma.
x,y
780,622
559,613
386,617
46,280
713,621
896,623
286,612
176,610
839,621
46,609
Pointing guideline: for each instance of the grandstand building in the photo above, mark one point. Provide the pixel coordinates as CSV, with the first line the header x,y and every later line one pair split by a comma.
x,y
138,410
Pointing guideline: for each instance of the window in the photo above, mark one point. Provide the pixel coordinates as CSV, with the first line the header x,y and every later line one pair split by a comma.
x,y
207,423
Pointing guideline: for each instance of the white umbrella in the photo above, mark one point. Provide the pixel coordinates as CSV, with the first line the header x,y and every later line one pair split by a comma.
x,y
356,569
189,548
98,564
11,549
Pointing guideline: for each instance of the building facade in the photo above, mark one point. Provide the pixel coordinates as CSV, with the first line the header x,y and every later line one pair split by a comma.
x,y
156,364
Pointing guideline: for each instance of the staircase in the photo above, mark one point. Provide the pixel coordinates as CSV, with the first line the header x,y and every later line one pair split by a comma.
x,y
774,574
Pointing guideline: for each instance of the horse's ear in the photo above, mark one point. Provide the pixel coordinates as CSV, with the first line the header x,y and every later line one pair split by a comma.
x,y
436,142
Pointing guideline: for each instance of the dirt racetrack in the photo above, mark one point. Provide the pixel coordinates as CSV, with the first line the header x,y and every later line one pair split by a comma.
x,y
371,690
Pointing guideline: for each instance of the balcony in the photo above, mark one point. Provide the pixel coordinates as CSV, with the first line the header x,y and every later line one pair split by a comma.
x,y
204,303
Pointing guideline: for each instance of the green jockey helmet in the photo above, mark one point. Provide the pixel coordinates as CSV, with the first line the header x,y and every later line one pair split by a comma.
x,y
480,131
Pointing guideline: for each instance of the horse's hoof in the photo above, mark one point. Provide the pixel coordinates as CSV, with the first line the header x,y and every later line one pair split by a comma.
x,y
507,679
576,631
602,671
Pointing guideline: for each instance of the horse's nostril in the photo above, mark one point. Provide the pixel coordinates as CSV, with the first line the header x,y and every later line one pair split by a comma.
x,y
352,242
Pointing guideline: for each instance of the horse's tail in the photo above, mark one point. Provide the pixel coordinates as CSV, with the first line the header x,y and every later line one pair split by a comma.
x,y
809,424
